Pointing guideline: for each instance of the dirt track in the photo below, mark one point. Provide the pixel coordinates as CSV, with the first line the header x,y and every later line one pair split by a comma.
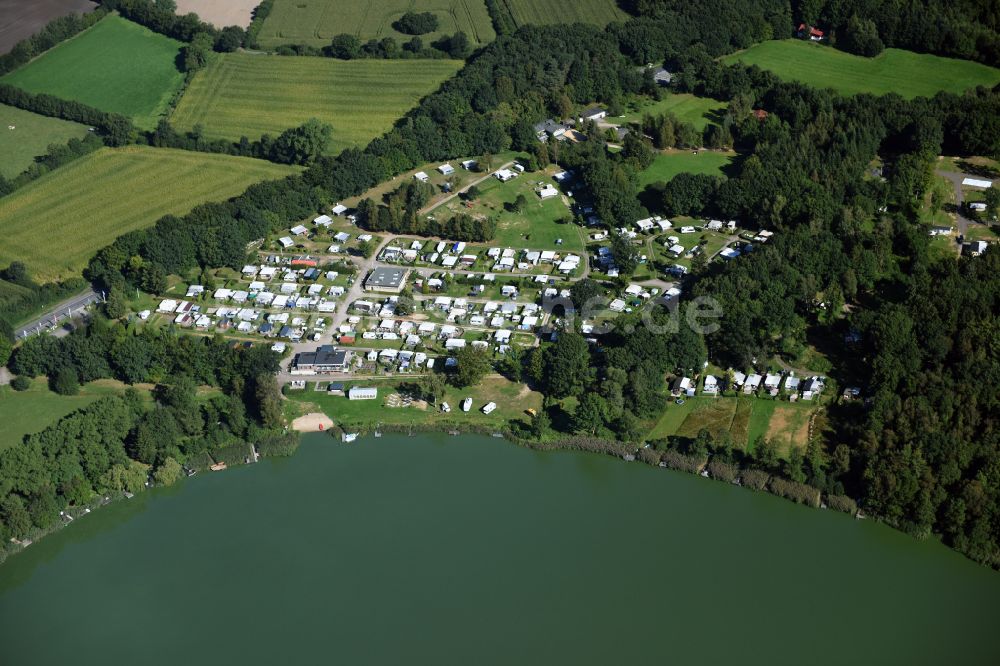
x,y
20,19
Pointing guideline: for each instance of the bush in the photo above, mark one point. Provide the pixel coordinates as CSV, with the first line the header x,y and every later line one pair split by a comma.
x,y
413,23
842,503
65,382
722,471
679,461
754,478
797,492
20,383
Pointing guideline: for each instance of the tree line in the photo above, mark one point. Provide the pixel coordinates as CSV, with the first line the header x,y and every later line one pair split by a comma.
x,y
400,214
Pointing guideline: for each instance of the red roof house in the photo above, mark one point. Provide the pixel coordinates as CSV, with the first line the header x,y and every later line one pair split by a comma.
x,y
812,33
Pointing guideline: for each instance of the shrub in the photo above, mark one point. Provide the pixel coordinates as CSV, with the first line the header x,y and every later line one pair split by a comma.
x,y
797,492
414,23
679,461
754,478
20,383
650,456
722,471
842,503
65,382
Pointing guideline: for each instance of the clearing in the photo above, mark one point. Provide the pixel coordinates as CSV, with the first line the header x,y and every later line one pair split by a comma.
x,y
894,70
789,426
512,402
115,66
316,22
26,412
669,163
598,12
23,19
31,136
699,111
220,14
56,223
241,94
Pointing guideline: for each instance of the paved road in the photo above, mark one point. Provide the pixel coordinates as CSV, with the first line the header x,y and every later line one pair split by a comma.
x,y
64,310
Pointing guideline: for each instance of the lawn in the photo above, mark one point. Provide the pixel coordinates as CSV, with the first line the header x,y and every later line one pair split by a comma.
x,y
699,111
31,411
534,227
512,401
31,136
760,417
315,22
598,12
903,72
241,94
114,66
56,223
669,163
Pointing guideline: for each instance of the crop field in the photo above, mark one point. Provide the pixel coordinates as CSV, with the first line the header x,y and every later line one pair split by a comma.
x,y
903,72
249,95
220,14
22,19
699,111
669,163
115,66
25,135
598,12
316,22
56,223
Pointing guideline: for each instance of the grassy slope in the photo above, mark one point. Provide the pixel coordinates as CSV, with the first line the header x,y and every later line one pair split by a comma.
x,y
668,164
598,12
315,22
250,95
56,223
114,66
687,108
31,136
903,72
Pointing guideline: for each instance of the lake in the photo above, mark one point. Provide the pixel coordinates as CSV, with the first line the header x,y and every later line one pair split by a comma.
x,y
469,550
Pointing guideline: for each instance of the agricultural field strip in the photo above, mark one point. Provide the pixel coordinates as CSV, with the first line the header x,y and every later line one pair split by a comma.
x,y
72,200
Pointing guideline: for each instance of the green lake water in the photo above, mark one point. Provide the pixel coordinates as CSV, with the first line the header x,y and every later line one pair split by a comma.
x,y
469,550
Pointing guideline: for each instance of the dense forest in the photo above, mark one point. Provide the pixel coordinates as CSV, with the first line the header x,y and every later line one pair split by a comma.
x,y
923,456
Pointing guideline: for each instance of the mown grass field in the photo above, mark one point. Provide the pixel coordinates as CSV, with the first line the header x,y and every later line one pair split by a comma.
x,y
56,223
669,163
598,12
116,66
535,226
687,108
241,94
30,137
512,401
316,22
903,72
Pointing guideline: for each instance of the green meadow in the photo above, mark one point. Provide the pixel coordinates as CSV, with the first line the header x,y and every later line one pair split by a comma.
x,y
25,135
115,66
905,73
249,95
598,12
669,163
685,107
